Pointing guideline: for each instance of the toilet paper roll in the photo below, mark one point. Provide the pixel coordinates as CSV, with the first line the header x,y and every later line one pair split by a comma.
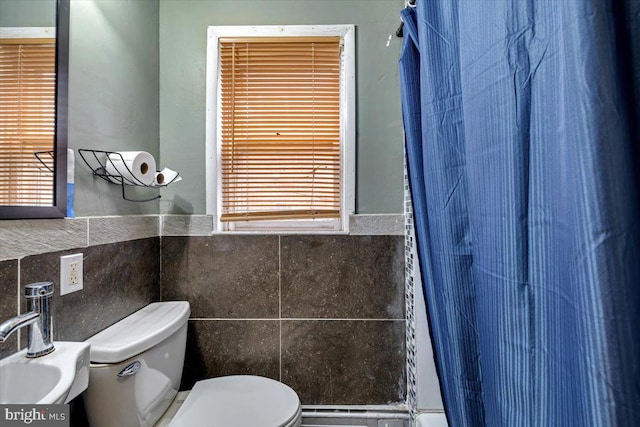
x,y
135,167
165,176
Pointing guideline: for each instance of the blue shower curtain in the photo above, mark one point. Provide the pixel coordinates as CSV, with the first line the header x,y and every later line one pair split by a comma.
x,y
522,123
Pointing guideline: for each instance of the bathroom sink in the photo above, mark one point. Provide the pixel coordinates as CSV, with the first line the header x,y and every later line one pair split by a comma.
x,y
57,377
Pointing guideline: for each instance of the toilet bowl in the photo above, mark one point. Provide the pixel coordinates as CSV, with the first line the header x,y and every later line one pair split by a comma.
x,y
239,401
136,366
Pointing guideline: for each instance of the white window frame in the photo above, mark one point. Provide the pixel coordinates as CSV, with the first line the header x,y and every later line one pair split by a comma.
x,y
348,129
27,32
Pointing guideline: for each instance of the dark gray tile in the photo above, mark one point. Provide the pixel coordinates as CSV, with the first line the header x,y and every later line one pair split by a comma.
x,y
8,302
344,362
356,277
231,347
119,278
222,276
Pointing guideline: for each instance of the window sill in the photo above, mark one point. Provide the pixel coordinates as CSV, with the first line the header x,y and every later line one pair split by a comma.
x,y
359,224
278,232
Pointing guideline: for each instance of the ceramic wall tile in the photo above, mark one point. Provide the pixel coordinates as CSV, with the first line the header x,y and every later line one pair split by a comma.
x,y
119,278
357,277
222,276
231,347
187,225
28,237
383,224
8,302
345,362
113,229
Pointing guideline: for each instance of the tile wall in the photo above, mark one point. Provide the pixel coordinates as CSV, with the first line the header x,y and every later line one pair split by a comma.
x,y
8,301
324,314
121,271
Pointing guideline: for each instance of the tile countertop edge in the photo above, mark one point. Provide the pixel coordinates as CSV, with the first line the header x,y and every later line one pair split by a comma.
x,y
22,238
359,224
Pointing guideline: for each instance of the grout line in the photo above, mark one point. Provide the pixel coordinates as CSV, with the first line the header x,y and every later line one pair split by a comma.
x,y
88,242
18,290
226,319
280,303
279,278
160,267
343,319
160,227
280,348
230,319
19,334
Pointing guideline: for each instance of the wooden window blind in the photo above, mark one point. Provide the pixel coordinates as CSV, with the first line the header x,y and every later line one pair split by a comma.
x,y
27,117
280,149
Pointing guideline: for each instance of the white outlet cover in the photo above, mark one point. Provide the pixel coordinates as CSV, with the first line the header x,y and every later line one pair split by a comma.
x,y
65,273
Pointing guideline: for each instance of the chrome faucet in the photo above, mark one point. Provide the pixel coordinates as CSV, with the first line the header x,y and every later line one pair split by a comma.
x,y
39,318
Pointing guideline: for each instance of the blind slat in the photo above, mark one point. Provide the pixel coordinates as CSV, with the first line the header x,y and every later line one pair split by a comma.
x,y
280,214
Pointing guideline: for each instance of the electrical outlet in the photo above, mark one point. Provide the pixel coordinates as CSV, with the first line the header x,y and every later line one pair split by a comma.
x,y
74,276
70,273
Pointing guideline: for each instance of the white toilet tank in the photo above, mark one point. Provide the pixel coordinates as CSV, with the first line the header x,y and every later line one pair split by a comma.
x,y
136,366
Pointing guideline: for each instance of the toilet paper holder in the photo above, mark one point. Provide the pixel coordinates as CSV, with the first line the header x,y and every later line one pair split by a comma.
x,y
97,161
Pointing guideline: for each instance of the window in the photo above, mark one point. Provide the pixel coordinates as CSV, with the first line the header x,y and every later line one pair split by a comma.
x,y
27,115
280,127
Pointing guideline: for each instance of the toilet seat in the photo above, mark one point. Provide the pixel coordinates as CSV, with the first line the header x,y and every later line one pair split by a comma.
x,y
239,401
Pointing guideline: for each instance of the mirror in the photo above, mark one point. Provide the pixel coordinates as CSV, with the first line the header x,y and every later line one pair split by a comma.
x,y
33,108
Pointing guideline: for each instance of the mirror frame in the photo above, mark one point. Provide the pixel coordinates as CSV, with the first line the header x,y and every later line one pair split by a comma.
x,y
59,208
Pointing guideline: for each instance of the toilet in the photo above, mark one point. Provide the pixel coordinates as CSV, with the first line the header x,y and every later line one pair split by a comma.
x,y
136,366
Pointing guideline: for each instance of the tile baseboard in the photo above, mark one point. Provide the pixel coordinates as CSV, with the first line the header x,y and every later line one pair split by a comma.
x,y
355,416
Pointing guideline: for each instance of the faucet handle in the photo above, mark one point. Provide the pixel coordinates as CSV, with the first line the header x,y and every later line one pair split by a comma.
x,y
38,290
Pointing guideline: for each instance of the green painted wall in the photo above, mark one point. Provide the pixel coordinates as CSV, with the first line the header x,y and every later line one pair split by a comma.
x,y
130,90
27,13
183,29
113,94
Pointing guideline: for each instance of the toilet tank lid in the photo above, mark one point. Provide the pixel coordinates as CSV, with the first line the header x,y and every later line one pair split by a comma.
x,y
138,332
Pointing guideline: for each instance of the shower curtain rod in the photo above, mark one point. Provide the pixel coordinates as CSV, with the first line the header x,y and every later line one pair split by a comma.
x,y
407,3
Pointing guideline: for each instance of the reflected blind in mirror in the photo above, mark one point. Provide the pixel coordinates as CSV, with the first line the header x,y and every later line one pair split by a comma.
x,y
27,116
280,148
